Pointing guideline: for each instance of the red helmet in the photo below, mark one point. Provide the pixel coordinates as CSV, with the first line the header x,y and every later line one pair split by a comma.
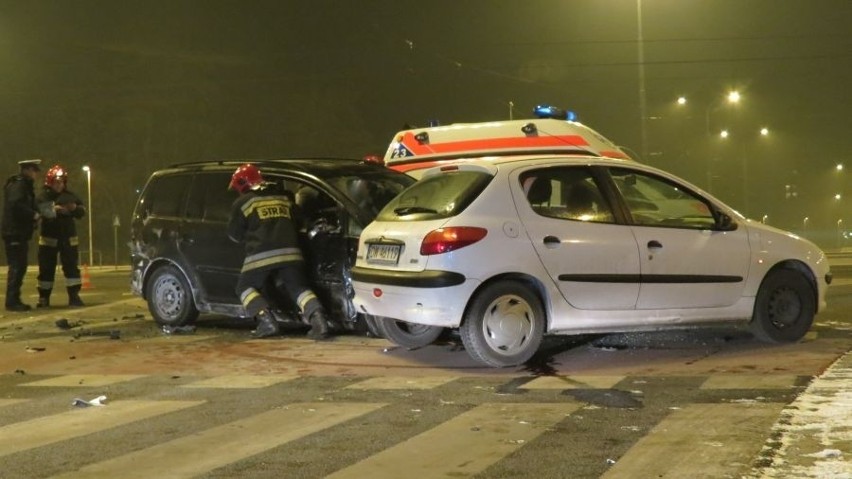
x,y
246,176
55,174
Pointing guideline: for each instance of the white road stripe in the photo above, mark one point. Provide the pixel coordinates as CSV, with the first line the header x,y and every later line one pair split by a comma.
x,y
9,402
464,445
701,440
84,380
572,382
749,381
77,422
244,381
213,448
402,382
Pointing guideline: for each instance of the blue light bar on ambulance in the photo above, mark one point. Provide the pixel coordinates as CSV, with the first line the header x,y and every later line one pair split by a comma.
x,y
547,111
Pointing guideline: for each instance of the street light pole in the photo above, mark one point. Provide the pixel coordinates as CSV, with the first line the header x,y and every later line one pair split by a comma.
x,y
643,105
89,206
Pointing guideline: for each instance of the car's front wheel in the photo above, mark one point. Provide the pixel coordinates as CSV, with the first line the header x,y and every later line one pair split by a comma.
x,y
407,335
504,325
170,298
784,308
372,324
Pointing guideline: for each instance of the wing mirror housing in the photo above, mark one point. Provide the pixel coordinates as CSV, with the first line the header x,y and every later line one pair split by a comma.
x,y
724,222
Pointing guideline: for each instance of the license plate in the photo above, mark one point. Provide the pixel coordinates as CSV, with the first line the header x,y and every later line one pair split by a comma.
x,y
383,253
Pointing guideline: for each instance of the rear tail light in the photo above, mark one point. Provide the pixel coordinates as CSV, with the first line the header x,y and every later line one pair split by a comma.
x,y
444,240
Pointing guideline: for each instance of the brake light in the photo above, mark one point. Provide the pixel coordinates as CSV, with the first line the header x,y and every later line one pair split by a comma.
x,y
444,240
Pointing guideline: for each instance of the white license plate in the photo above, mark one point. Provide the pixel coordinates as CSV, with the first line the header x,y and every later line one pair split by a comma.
x,y
383,253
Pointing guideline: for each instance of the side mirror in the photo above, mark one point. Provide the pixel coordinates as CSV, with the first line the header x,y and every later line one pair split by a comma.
x,y
725,223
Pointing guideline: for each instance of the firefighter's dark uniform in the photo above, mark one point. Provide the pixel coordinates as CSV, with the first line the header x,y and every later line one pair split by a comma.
x,y
59,236
19,222
262,219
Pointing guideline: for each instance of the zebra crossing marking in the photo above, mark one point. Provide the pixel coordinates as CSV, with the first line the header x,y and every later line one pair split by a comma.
x,y
207,450
572,382
45,430
700,440
84,380
241,381
464,445
402,382
9,402
175,338
750,381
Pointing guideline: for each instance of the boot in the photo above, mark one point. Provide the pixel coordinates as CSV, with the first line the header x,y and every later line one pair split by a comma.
x,y
319,326
266,325
18,307
74,297
43,298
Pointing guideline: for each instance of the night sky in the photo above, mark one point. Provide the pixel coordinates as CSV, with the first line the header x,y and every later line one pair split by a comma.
x,y
131,86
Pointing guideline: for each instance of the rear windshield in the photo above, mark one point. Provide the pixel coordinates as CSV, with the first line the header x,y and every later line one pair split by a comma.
x,y
440,196
370,192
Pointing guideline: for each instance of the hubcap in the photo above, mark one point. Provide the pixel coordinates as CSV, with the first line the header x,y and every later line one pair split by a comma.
x,y
168,296
508,325
784,308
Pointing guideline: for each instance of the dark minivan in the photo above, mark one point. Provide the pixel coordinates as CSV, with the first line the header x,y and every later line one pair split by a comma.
x,y
183,262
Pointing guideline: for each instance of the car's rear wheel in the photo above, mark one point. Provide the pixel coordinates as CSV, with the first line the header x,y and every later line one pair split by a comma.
x,y
407,335
504,325
170,298
784,308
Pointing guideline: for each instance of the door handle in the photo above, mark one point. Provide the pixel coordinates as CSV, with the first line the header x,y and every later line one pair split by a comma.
x,y
654,244
551,240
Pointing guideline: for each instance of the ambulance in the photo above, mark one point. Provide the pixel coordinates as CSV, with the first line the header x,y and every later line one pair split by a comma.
x,y
554,130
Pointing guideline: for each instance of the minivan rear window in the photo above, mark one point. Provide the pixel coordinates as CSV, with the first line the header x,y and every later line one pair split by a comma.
x,y
435,197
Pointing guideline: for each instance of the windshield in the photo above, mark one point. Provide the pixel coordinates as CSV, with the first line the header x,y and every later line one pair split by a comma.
x,y
439,196
371,192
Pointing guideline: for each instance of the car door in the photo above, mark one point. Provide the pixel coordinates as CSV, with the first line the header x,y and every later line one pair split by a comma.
x,y
593,260
215,259
686,260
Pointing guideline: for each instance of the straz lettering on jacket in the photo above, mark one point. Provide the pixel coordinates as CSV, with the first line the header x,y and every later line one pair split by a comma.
x,y
268,207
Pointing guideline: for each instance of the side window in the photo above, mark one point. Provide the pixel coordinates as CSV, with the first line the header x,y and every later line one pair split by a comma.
x,y
165,195
566,193
209,197
655,201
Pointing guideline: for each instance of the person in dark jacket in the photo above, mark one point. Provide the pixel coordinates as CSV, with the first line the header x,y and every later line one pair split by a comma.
x,y
60,208
262,219
20,217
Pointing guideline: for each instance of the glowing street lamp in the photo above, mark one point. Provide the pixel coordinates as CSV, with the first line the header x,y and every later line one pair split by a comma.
x,y
733,97
764,131
89,212
723,133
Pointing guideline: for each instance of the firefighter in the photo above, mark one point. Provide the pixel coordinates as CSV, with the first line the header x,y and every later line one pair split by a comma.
x,y
60,208
261,219
20,217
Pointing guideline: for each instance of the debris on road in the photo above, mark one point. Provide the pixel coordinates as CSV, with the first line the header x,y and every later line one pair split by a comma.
x,y
98,401
170,330
63,323
111,334
35,349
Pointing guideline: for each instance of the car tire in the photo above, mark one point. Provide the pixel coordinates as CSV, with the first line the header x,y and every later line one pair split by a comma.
x,y
170,298
407,335
504,325
784,308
